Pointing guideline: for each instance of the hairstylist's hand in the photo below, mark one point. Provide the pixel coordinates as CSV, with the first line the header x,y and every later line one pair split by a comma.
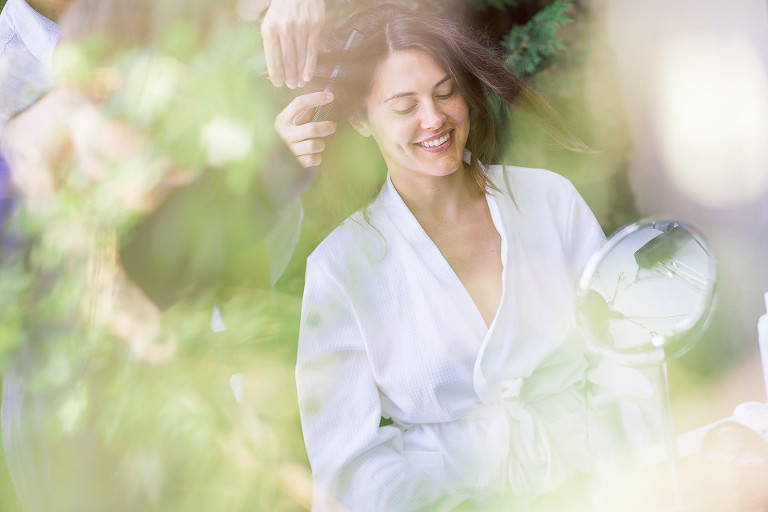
x,y
291,34
304,137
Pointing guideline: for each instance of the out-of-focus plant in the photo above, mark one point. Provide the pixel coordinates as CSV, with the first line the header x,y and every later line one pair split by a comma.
x,y
529,44
182,417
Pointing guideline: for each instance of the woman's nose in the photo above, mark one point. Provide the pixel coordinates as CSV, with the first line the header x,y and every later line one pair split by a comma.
x,y
432,116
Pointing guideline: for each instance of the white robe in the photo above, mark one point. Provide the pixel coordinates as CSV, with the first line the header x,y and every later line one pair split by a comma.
x,y
388,330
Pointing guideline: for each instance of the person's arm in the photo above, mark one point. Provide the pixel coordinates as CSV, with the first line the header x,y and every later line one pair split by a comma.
x,y
291,34
354,460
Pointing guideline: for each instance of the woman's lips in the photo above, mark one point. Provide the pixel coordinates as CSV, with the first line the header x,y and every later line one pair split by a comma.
x,y
438,143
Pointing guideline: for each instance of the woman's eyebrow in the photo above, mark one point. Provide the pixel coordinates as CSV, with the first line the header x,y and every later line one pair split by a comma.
x,y
444,79
403,94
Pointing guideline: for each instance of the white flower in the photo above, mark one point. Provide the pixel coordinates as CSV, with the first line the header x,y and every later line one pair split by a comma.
x,y
225,141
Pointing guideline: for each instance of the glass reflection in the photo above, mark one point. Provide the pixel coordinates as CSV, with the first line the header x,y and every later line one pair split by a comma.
x,y
650,288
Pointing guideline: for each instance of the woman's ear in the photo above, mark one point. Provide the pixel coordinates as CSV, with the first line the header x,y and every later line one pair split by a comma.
x,y
360,125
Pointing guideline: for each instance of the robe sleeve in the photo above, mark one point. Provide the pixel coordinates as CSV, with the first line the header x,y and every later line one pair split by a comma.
x,y
584,234
355,461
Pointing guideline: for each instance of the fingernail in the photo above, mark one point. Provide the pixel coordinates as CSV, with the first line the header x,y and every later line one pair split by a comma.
x,y
328,95
301,83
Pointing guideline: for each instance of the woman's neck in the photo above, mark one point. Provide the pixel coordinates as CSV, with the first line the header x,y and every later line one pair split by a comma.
x,y
439,198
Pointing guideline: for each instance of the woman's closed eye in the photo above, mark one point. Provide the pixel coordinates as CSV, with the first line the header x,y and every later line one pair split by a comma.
x,y
404,109
407,109
445,95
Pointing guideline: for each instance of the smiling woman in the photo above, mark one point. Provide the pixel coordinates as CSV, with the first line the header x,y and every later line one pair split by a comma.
x,y
419,120
444,306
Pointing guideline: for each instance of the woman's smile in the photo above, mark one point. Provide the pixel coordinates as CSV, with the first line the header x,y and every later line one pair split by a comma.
x,y
438,143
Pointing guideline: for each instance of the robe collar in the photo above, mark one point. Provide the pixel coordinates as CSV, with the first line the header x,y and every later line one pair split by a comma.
x,y
426,250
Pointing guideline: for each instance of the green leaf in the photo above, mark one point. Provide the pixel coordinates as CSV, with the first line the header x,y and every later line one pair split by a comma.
x,y
483,5
529,45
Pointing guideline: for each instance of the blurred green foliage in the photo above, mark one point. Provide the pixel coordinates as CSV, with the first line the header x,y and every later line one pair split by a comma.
x,y
528,45
498,4
181,417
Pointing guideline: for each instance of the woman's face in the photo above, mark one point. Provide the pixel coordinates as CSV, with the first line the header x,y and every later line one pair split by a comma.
x,y
416,115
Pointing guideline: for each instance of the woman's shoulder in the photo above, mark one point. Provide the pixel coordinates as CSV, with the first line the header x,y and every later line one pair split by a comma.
x,y
537,193
358,240
532,188
528,177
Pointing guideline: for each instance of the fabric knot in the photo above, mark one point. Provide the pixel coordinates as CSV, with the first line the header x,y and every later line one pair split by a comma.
x,y
533,437
511,388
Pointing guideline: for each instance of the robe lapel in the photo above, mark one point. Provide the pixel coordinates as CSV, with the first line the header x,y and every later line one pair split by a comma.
x,y
521,336
426,250
493,351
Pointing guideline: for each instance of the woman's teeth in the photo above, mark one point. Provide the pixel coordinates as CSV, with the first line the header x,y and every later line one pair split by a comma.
x,y
436,142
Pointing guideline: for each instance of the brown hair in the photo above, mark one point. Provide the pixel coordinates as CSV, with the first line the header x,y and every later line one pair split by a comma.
x,y
477,70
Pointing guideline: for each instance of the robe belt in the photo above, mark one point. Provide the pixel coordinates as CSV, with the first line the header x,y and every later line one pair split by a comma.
x,y
514,413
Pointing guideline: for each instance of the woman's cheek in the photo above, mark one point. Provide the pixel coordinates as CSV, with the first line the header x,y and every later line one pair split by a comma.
x,y
460,114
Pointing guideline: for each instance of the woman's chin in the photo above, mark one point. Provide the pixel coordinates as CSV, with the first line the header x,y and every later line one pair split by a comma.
x,y
446,164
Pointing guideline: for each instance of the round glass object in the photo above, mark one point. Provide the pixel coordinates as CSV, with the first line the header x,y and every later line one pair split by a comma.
x,y
648,292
